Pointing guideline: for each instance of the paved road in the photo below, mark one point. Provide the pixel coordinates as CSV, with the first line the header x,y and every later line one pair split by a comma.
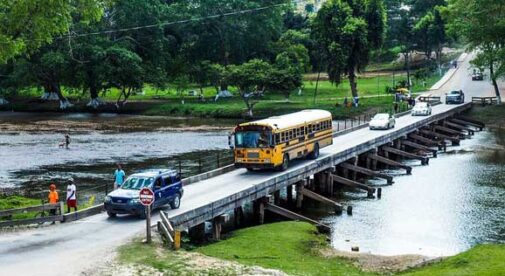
x,y
69,249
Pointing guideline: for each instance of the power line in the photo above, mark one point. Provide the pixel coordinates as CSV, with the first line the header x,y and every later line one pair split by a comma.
x,y
164,24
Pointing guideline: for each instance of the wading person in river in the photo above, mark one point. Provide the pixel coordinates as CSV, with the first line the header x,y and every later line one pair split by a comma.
x,y
119,176
67,140
71,196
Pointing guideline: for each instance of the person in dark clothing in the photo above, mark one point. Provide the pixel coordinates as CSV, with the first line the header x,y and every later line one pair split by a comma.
x,y
67,140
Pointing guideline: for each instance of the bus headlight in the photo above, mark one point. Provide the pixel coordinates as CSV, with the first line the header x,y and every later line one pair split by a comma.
x,y
267,161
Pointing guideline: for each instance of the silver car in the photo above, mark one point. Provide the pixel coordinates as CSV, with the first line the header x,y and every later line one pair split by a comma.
x,y
382,121
421,109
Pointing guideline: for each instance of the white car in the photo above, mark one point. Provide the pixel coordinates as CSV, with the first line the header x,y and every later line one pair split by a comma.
x,y
382,121
421,109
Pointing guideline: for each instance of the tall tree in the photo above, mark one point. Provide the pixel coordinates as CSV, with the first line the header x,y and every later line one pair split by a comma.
x,y
251,79
349,30
482,25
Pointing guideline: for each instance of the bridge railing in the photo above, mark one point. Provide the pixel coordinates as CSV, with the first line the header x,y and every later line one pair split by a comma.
x,y
484,100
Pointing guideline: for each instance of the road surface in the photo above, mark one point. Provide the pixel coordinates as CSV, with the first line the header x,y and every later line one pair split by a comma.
x,y
72,248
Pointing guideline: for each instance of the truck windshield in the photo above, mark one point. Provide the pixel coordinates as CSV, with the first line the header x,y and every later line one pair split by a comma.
x,y
253,139
137,183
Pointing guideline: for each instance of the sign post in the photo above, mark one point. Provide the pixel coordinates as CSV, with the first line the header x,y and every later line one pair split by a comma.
x,y
146,197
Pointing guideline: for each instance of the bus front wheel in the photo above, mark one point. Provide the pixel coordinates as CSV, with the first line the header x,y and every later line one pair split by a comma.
x,y
285,163
315,153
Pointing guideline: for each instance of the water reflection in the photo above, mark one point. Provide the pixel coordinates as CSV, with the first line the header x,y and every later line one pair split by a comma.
x,y
441,209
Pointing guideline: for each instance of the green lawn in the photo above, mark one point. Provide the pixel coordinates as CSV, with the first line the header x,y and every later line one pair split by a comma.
x,y
288,246
372,91
481,260
13,202
293,248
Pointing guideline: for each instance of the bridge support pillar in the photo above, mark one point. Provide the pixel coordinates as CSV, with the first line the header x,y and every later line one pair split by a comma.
x,y
217,223
197,233
299,193
277,197
289,194
238,216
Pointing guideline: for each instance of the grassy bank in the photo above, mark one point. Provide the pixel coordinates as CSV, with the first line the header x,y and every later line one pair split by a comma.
x,y
12,202
296,249
491,115
169,103
292,247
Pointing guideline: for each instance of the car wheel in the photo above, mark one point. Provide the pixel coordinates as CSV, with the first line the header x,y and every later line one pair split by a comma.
x,y
285,163
111,214
315,153
176,202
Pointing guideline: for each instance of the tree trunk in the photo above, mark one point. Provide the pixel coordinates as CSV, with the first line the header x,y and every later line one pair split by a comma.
x,y
495,84
248,105
352,83
407,67
64,102
317,85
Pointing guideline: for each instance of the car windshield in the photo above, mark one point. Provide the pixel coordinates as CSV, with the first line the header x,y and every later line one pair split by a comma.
x,y
137,183
454,93
253,139
381,117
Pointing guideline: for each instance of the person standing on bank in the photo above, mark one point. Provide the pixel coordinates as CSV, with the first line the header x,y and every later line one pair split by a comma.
x,y
71,196
52,198
119,176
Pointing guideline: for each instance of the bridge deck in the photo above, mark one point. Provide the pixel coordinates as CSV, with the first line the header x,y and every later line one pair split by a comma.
x,y
207,199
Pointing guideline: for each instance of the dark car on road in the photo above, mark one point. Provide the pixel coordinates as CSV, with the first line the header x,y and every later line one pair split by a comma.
x,y
166,185
477,76
455,97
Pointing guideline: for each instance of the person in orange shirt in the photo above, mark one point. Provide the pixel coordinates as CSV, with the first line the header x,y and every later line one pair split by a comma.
x,y
53,198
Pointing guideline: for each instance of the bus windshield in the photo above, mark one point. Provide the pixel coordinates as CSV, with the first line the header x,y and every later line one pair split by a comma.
x,y
253,139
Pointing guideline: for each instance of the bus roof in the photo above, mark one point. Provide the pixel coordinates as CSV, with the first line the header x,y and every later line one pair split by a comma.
x,y
292,119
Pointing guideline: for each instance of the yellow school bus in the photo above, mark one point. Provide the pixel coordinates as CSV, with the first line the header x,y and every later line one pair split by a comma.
x,y
271,143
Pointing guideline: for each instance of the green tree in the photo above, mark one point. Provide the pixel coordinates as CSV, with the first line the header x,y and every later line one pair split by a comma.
x,y
27,25
251,79
124,72
347,29
284,81
482,25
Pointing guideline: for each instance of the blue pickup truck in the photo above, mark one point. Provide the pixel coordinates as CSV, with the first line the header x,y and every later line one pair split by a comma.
x,y
166,185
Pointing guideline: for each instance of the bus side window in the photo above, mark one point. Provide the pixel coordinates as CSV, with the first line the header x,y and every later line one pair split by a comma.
x,y
277,138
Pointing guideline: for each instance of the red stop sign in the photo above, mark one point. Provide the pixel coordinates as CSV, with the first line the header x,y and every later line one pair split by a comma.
x,y
146,196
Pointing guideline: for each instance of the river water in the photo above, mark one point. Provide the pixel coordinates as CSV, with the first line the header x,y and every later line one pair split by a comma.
x,y
31,158
442,209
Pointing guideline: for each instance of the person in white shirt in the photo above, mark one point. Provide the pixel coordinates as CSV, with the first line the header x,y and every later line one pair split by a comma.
x,y
71,196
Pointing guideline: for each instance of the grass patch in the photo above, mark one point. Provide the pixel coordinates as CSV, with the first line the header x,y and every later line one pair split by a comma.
x,y
288,246
292,247
480,260
13,202
493,115
166,102
157,257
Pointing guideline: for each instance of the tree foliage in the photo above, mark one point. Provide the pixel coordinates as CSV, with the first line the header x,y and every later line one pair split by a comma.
x,y
482,25
27,25
346,30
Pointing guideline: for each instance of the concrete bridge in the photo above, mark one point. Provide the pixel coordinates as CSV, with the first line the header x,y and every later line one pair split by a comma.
x,y
353,153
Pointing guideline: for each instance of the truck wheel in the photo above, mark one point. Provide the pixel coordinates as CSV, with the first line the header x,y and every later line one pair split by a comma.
x,y
176,202
111,214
